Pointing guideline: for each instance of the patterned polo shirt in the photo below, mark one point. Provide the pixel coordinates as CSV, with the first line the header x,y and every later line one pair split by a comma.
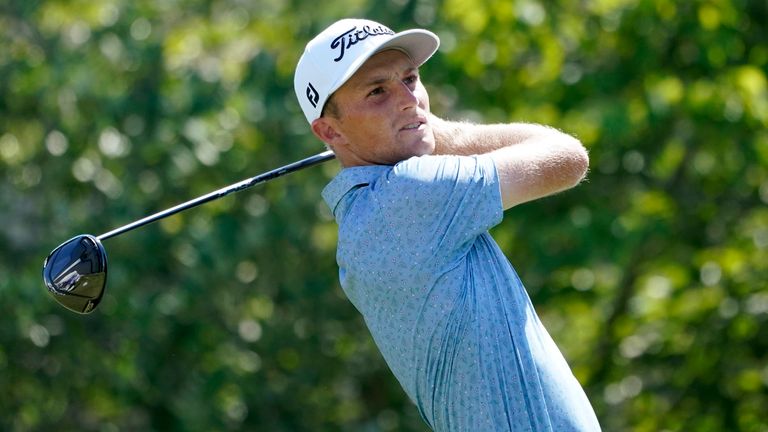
x,y
442,302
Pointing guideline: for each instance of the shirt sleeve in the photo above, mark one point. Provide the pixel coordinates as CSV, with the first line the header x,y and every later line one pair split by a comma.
x,y
442,202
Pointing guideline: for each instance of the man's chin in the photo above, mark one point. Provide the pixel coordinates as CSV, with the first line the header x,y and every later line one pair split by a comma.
x,y
421,150
427,147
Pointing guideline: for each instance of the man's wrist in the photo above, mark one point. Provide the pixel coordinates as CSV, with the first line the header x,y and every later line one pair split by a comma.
x,y
449,136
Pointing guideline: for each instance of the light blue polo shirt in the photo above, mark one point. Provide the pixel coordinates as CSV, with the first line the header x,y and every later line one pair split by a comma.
x,y
442,302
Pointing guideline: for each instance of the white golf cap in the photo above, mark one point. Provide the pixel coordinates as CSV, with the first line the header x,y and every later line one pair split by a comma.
x,y
334,55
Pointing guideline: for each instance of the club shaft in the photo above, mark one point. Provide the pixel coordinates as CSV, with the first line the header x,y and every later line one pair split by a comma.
x,y
245,184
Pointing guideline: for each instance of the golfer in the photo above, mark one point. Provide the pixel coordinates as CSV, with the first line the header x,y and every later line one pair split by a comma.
x,y
414,202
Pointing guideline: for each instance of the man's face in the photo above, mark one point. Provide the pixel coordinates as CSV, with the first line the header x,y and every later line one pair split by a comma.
x,y
382,113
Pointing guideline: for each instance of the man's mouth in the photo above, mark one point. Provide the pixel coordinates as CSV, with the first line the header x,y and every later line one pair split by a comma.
x,y
415,125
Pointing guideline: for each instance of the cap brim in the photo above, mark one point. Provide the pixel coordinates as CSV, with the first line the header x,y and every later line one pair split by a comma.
x,y
419,44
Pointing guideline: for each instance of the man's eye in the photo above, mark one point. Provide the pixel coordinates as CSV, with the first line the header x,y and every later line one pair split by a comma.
x,y
376,91
411,79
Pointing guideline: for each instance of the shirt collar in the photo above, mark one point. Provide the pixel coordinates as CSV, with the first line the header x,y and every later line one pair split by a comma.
x,y
348,179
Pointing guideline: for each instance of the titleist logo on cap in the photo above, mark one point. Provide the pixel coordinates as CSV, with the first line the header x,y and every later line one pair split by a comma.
x,y
353,36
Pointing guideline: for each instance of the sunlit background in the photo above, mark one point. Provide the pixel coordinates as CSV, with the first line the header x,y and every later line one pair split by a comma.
x,y
651,276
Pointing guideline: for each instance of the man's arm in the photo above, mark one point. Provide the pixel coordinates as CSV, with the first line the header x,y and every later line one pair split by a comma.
x,y
532,161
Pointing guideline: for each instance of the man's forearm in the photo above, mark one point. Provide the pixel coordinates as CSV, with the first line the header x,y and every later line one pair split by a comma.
x,y
461,138
532,160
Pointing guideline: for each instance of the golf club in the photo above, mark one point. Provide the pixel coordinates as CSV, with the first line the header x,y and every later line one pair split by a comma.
x,y
76,271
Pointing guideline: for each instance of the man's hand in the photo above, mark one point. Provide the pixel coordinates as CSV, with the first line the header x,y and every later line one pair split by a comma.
x,y
532,161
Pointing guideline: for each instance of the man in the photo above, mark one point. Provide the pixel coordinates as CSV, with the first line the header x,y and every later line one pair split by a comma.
x,y
414,202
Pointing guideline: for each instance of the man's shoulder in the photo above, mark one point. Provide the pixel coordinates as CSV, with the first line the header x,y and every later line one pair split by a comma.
x,y
419,177
447,169
351,178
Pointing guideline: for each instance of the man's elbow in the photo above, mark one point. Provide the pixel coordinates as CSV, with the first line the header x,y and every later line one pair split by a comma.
x,y
576,161
582,163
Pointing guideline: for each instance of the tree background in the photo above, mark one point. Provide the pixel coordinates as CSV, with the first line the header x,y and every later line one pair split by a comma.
x,y
651,276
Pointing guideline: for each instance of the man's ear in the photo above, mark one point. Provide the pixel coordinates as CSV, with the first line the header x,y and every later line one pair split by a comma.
x,y
325,129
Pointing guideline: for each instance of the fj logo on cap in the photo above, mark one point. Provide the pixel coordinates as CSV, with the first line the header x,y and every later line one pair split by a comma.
x,y
312,95
353,36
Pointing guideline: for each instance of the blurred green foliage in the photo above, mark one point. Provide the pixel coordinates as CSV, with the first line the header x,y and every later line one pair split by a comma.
x,y
651,276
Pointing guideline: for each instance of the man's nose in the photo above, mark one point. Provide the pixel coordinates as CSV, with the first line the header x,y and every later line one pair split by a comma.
x,y
408,97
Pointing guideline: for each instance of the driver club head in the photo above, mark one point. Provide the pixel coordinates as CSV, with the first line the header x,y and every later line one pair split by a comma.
x,y
76,273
